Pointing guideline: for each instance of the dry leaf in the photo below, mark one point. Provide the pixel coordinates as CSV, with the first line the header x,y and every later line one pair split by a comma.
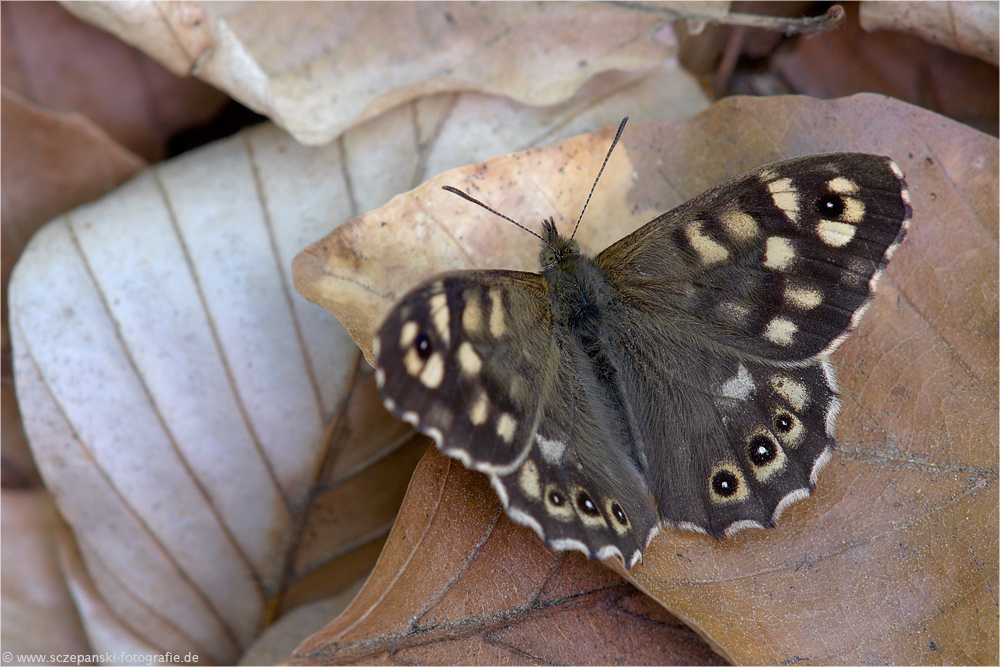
x,y
966,27
175,390
460,584
278,640
58,62
318,68
903,66
39,616
893,560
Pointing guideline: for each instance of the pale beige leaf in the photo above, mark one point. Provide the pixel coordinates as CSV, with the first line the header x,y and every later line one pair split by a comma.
x,y
38,613
278,641
967,27
175,389
317,68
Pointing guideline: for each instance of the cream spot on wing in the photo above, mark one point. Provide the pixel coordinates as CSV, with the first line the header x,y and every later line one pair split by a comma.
x,y
803,297
843,186
895,169
376,347
780,331
468,360
440,315
709,250
410,417
498,326
739,225
480,409
552,450
506,425
835,234
791,390
517,389
779,253
529,480
785,197
740,386
412,362
856,272
408,334
433,371
854,210
472,316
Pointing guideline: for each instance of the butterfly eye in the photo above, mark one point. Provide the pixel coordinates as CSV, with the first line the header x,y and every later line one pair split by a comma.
x,y
783,422
423,346
725,483
763,450
586,505
830,206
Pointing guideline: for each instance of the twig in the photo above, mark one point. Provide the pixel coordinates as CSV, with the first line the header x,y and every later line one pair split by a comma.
x,y
790,26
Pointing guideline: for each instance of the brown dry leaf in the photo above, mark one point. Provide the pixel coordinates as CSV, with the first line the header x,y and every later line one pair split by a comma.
x,y
461,584
58,62
318,68
903,66
894,558
967,27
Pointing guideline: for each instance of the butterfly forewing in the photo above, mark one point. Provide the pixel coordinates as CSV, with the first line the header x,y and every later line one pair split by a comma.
x,y
778,263
682,376
468,358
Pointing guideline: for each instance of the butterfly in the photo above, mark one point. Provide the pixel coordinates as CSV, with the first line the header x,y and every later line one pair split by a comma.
x,y
679,378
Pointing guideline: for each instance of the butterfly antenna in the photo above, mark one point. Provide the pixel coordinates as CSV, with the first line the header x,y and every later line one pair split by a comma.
x,y
607,157
495,212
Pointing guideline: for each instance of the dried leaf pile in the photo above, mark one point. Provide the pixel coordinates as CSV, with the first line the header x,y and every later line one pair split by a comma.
x,y
215,474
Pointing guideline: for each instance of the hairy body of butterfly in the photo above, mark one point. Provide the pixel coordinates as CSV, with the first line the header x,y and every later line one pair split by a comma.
x,y
680,377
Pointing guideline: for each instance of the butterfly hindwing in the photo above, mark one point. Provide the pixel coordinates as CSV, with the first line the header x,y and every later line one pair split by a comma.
x,y
736,439
581,486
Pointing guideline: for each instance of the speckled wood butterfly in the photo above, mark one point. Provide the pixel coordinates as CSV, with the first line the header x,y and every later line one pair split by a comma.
x,y
681,377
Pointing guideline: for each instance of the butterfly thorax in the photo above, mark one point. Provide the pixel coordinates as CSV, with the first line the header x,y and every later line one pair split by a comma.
x,y
579,290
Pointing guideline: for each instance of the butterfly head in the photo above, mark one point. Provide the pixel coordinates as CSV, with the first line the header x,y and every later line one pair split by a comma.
x,y
558,252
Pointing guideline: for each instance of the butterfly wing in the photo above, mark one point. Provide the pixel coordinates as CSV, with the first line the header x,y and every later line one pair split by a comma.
x,y
778,263
473,359
455,358
729,442
740,296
